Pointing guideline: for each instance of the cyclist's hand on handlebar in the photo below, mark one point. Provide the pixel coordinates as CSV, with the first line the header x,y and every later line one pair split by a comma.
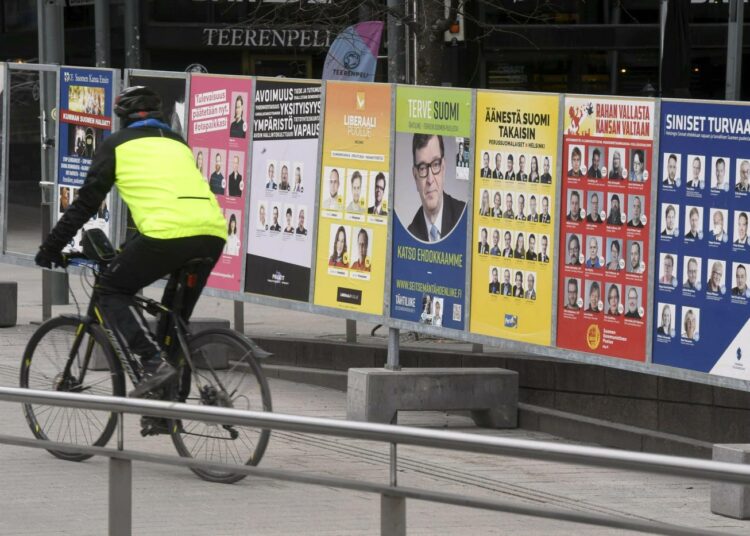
x,y
46,258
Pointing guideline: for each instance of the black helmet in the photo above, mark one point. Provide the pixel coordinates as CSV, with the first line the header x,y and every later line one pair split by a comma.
x,y
138,102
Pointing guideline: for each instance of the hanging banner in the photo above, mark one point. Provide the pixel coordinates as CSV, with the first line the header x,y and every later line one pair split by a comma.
x,y
354,211
702,300
514,201
218,135
604,228
433,129
282,188
354,54
84,121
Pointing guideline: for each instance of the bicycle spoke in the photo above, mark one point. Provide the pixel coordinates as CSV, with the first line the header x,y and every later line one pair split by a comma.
x,y
45,359
241,387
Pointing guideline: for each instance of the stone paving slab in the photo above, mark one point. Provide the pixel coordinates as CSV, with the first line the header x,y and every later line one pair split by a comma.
x,y
41,495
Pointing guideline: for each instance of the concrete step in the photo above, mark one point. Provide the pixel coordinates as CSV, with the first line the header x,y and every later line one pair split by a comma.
x,y
608,434
530,417
330,379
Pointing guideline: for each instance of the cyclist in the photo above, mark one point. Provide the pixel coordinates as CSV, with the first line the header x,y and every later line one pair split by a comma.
x,y
176,215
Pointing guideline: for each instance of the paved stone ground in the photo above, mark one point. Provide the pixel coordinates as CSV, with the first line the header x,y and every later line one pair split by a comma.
x,y
42,495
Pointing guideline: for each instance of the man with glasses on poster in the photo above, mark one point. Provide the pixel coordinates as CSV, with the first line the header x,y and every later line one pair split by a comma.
x,y
439,212
377,208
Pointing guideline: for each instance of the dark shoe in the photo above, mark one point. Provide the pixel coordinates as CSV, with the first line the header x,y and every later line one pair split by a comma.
x,y
153,378
154,425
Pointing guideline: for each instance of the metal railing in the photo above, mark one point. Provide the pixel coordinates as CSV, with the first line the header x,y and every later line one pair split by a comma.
x,y
393,496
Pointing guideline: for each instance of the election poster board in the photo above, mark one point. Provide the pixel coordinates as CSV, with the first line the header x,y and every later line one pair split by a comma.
x,y
354,209
84,121
286,126
433,141
514,211
702,300
604,226
218,134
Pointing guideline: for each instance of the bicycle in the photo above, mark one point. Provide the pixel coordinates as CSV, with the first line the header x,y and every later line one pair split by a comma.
x,y
83,354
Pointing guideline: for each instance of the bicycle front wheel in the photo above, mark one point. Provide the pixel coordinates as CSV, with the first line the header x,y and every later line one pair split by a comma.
x,y
225,375
48,352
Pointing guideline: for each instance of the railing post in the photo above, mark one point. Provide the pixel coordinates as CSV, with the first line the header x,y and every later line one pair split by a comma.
x,y
120,489
392,359
392,516
239,316
120,497
392,508
351,331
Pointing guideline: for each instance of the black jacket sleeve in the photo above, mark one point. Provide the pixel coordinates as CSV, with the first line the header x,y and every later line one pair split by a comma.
x,y
99,181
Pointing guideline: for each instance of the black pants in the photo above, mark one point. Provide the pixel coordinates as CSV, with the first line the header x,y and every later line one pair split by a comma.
x,y
143,261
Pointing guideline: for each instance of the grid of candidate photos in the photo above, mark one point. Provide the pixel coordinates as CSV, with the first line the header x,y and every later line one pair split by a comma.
x,y
511,281
515,166
358,199
228,185
523,237
278,213
604,235
527,206
703,240
513,244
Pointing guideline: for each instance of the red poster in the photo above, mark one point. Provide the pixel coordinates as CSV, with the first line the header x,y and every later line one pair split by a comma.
x,y
218,134
604,228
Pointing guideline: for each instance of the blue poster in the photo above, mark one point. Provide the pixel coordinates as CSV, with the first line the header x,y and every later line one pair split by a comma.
x,y
701,296
431,189
84,120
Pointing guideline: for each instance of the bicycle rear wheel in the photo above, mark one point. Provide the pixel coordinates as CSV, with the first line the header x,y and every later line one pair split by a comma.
x,y
43,367
240,385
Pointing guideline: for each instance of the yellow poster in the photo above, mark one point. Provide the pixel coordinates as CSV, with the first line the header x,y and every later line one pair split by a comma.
x,y
354,208
514,203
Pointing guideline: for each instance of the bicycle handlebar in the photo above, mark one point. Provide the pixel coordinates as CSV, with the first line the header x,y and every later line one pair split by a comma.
x,y
77,258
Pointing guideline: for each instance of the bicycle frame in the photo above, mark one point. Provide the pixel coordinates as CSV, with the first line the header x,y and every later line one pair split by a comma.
x,y
171,327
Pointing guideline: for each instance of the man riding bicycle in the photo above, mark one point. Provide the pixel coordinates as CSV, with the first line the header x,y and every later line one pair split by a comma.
x,y
177,217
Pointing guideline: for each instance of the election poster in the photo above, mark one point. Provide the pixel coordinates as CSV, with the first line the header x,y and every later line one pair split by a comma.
x,y
218,134
701,295
604,226
85,120
286,128
433,142
171,89
354,207
514,211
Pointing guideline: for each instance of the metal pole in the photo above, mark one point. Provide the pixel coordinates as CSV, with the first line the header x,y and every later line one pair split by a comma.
x,y
120,431
392,516
51,42
132,28
614,67
393,509
734,49
239,316
396,42
351,330
120,497
393,349
120,488
662,29
101,32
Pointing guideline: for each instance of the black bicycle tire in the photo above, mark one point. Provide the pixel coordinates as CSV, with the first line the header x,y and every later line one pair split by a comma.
x,y
257,372
118,380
